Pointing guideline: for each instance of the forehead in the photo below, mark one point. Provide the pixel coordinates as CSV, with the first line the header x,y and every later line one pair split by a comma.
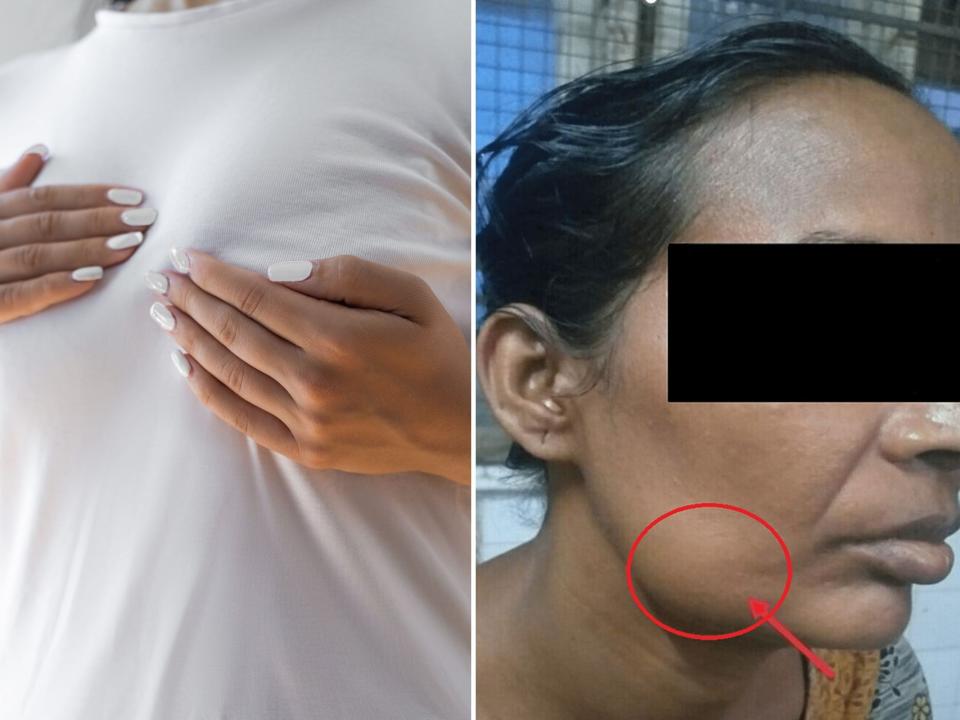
x,y
826,153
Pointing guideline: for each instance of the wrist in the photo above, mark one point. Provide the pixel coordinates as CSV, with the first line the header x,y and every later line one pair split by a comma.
x,y
455,467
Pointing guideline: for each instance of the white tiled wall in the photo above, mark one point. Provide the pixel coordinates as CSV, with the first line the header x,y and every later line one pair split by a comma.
x,y
934,632
509,513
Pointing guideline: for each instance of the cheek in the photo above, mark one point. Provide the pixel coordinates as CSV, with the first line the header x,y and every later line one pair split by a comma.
x,y
783,461
786,463
697,570
790,464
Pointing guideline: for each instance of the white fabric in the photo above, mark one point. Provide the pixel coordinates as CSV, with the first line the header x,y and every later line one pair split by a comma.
x,y
31,25
155,563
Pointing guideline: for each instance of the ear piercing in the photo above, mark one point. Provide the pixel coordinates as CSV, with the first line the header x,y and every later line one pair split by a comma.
x,y
552,405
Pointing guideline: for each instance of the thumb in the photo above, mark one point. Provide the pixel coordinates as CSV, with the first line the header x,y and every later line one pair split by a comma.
x,y
358,283
25,170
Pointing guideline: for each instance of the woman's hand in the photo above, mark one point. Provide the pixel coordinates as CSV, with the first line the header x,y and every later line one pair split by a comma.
x,y
356,367
56,239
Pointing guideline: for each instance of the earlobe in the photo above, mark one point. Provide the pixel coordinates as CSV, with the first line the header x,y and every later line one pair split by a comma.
x,y
523,378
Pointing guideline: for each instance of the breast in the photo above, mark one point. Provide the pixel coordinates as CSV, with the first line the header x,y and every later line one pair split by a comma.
x,y
130,516
251,178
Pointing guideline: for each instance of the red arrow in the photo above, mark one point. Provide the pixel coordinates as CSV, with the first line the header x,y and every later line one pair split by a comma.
x,y
759,609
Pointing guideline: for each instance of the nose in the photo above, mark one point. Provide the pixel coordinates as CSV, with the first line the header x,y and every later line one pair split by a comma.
x,y
928,433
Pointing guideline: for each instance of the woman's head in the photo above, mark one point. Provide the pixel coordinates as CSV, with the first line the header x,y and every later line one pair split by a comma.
x,y
605,171
774,133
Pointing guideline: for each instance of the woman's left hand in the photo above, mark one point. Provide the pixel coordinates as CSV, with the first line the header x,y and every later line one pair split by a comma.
x,y
357,367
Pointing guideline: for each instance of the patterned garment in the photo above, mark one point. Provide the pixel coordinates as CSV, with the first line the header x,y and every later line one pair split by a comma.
x,y
885,684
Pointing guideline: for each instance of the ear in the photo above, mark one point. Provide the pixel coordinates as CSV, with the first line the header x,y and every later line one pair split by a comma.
x,y
529,384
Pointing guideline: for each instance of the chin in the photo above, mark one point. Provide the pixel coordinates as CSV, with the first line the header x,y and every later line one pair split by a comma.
x,y
862,617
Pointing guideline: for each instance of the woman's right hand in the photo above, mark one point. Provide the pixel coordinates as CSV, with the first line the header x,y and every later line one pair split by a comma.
x,y
55,240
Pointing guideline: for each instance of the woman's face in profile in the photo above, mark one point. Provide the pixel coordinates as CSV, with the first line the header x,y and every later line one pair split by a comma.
x,y
836,480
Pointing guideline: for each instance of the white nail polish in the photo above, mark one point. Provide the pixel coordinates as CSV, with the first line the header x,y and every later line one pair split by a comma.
x,y
180,260
180,362
291,271
157,281
139,216
39,149
123,196
127,240
85,274
163,316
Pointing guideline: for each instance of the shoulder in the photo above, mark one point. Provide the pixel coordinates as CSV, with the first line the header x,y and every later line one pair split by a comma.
x,y
901,692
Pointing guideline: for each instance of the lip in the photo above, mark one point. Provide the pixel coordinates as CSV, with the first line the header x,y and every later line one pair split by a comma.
x,y
908,561
930,528
913,551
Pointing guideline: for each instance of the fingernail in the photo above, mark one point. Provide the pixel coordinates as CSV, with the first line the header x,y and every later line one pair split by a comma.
x,y
124,196
39,149
180,362
157,281
180,260
290,271
139,216
127,240
85,274
164,318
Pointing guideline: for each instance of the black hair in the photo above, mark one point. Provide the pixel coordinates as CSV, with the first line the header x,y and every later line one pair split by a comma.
x,y
592,189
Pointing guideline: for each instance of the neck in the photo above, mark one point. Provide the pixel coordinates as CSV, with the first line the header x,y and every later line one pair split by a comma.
x,y
581,648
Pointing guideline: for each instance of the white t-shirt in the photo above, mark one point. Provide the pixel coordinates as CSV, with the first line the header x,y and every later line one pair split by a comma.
x,y
154,562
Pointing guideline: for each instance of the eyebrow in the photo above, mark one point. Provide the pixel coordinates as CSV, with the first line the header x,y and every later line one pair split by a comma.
x,y
832,236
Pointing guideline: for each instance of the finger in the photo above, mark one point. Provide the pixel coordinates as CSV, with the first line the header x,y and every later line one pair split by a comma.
x,y
241,335
359,283
25,170
29,200
286,313
27,261
261,426
27,297
242,379
56,225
